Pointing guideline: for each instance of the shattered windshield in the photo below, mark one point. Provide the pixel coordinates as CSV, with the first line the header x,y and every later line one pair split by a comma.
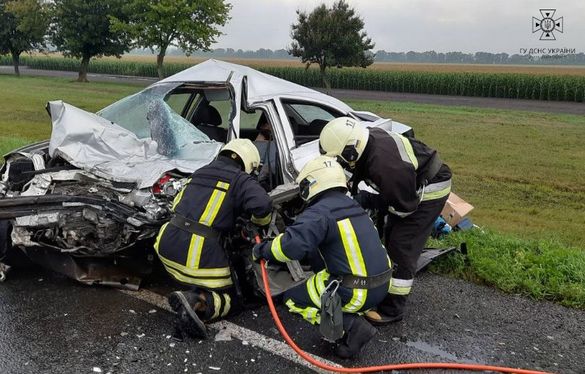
x,y
147,115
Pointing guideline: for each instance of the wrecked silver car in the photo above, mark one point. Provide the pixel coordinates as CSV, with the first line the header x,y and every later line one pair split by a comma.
x,y
88,200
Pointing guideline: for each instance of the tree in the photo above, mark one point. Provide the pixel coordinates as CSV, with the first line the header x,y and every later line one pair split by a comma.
x,y
331,37
23,25
188,24
81,29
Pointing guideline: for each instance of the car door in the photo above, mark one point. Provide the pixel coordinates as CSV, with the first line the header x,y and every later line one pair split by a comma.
x,y
304,121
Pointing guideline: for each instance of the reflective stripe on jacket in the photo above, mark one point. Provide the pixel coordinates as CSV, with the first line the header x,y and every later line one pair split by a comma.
x,y
390,164
214,196
337,227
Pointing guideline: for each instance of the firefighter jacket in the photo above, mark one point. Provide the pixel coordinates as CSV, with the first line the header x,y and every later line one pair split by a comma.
x,y
211,201
337,227
398,168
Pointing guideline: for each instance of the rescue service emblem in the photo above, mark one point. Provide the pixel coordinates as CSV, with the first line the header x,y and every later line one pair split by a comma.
x,y
547,25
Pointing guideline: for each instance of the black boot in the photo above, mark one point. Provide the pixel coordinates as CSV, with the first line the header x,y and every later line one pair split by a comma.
x,y
356,337
185,304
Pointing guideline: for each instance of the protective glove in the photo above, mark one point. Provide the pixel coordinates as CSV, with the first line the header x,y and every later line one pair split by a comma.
x,y
258,252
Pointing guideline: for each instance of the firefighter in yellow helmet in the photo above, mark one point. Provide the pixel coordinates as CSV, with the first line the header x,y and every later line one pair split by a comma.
x,y
413,185
190,245
357,270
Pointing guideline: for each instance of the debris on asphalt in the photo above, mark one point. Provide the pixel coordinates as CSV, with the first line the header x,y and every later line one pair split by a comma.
x,y
97,370
172,345
140,336
223,336
245,342
132,311
214,368
152,311
123,333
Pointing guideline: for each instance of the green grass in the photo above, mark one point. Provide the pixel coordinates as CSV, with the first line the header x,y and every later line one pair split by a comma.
x,y
23,118
543,269
522,171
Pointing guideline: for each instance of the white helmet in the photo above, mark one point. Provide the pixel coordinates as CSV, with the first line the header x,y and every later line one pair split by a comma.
x,y
345,139
318,175
246,151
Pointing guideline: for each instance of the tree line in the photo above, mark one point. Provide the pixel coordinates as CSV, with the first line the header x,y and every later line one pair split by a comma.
x,y
403,57
86,29
328,36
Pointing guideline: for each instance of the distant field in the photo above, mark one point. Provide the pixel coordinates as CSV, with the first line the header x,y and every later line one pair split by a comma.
x,y
541,86
522,171
382,66
389,66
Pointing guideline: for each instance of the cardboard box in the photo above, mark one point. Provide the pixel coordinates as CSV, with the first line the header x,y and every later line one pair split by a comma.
x,y
455,209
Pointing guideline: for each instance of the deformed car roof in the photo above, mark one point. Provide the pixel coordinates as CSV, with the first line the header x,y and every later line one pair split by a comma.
x,y
259,86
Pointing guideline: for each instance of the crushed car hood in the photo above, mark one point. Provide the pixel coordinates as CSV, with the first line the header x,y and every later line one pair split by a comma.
x,y
105,149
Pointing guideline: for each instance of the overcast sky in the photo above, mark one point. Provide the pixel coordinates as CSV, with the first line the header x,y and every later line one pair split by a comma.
x,y
417,25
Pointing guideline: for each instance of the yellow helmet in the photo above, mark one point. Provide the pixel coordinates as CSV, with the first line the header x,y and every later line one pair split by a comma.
x,y
246,151
345,139
318,175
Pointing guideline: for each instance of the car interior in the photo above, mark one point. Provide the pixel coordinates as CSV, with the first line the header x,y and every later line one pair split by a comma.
x,y
308,119
208,109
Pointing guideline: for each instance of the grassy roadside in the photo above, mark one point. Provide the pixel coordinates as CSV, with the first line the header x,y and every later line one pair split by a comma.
x,y
23,118
539,268
521,170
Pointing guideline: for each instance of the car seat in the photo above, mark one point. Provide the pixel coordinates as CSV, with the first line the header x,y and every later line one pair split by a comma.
x,y
207,119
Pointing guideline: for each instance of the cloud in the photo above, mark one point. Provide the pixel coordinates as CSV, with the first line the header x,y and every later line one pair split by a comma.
x,y
419,25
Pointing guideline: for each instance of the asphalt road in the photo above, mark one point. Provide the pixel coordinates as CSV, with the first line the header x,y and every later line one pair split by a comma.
x,y
479,102
52,324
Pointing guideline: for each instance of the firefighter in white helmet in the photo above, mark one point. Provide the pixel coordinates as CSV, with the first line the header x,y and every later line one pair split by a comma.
x,y
191,245
356,266
412,184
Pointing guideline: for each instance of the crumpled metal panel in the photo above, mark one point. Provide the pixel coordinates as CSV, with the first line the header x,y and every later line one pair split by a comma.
x,y
40,219
107,150
38,185
260,86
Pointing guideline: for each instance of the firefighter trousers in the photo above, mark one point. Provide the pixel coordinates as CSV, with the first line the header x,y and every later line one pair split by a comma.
x,y
405,239
305,299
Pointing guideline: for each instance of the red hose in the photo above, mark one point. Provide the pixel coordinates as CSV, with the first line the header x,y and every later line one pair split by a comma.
x,y
369,369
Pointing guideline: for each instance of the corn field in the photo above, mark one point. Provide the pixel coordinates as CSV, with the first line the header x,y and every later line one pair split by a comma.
x,y
502,85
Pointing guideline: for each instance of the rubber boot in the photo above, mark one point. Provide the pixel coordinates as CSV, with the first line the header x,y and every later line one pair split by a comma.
x,y
390,310
186,304
356,337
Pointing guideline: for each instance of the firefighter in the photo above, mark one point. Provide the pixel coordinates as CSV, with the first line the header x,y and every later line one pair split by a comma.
x,y
412,184
190,245
355,264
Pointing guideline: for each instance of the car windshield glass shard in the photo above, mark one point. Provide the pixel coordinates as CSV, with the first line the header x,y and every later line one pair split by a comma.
x,y
147,115
173,135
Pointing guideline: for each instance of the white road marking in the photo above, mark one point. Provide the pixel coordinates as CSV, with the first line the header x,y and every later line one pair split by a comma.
x,y
255,339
